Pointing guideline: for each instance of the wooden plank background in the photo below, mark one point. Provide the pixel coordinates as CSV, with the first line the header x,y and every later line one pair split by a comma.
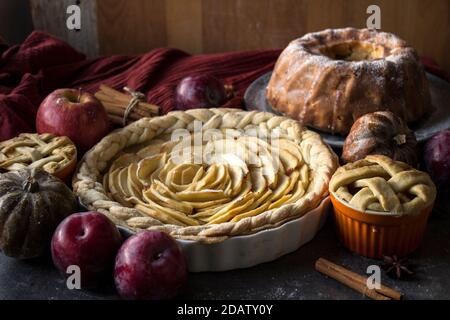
x,y
205,26
51,17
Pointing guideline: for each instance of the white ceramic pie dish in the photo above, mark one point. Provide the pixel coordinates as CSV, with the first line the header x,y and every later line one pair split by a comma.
x,y
250,250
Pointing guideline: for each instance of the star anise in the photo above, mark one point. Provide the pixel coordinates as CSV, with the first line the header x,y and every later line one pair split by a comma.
x,y
395,267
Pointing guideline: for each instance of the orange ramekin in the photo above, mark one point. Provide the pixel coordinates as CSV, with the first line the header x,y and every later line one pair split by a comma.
x,y
374,235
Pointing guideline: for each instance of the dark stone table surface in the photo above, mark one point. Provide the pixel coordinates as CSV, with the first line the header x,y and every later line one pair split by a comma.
x,y
290,277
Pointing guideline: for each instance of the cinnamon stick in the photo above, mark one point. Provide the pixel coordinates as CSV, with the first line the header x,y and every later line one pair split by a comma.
x,y
115,119
118,110
355,281
148,106
114,93
142,107
106,91
119,113
116,104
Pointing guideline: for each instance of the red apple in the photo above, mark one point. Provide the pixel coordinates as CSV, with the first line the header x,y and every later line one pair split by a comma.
x,y
437,160
73,113
149,265
88,240
200,91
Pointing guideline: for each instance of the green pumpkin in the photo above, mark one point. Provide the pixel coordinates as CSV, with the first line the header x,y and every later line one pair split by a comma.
x,y
32,204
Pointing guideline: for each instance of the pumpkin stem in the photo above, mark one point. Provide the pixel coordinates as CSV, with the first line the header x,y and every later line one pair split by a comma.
x,y
400,139
30,185
79,94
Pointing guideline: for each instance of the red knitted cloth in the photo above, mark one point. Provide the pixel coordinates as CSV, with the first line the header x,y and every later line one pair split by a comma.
x,y
42,63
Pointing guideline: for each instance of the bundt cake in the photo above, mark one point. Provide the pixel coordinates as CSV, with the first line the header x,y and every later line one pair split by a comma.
x,y
328,79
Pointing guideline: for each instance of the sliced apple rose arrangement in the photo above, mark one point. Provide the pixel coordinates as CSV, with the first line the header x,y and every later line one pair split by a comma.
x,y
242,177
242,172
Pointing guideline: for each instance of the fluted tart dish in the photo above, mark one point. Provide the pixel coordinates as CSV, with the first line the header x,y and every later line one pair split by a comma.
x,y
206,174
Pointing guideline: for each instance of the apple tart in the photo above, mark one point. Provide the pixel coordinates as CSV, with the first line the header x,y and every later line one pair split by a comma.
x,y
383,185
56,155
206,174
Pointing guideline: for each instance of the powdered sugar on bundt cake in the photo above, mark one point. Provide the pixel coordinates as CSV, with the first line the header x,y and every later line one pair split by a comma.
x,y
330,78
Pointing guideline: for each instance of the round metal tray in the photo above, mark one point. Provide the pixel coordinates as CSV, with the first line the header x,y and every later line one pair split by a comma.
x,y
255,99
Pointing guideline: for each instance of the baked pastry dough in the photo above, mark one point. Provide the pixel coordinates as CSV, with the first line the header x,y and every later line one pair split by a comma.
x,y
381,184
250,171
328,79
45,151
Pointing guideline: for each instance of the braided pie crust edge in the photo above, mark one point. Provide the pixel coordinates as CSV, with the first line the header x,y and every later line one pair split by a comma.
x,y
87,181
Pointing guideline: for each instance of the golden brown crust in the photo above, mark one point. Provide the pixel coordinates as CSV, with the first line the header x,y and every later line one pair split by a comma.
x,y
45,151
87,182
315,87
383,133
379,183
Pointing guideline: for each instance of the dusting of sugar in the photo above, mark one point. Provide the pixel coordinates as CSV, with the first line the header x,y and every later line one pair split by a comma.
x,y
302,66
